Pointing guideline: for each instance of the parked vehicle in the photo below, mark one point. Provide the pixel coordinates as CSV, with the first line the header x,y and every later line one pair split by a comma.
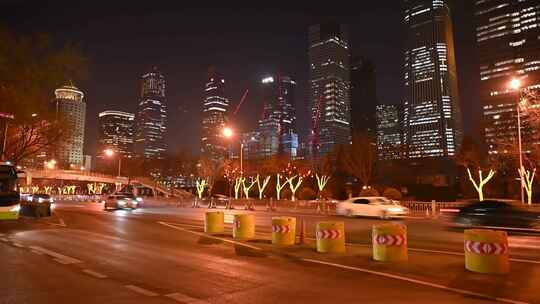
x,y
373,206
9,197
494,213
42,198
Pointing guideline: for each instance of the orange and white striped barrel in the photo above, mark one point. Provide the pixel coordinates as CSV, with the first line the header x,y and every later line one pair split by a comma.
x,y
283,230
389,242
486,251
330,237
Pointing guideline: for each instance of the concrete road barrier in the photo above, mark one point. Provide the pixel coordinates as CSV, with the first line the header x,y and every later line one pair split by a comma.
x,y
330,237
486,251
389,242
283,230
244,226
214,222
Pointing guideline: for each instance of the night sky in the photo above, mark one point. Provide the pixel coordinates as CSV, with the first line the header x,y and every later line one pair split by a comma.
x,y
124,39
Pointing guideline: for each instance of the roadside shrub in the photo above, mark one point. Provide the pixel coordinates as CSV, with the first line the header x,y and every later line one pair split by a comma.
x,y
369,192
392,194
307,193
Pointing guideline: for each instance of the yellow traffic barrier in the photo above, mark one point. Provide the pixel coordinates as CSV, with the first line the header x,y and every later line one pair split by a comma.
x,y
330,237
244,226
283,230
389,242
214,222
486,251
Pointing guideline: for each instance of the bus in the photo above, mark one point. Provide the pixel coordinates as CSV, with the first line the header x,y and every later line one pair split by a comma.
x,y
9,196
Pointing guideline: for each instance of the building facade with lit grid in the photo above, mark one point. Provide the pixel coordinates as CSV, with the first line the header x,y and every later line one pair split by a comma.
x,y
277,126
508,43
389,132
116,130
71,108
214,118
329,80
431,111
151,117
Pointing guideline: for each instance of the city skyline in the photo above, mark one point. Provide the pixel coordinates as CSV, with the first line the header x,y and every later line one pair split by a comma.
x,y
291,46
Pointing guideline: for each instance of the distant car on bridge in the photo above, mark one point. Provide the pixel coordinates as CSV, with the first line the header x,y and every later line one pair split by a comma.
x,y
373,206
121,201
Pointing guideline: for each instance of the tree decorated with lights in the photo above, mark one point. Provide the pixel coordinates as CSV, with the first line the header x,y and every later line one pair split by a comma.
x,y
201,185
527,177
280,186
321,182
247,188
262,186
237,186
482,181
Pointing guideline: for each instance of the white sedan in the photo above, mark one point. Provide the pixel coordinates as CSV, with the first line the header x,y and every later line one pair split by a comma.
x,y
121,201
374,206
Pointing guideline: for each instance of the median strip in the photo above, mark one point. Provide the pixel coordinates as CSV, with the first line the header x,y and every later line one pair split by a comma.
x,y
415,281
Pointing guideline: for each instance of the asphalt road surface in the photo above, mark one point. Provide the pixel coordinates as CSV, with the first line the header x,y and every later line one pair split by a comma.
x,y
160,255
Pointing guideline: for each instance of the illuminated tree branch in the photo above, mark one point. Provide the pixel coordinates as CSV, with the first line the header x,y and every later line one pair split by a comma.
x,y
237,184
322,181
527,179
481,183
264,184
280,186
201,185
294,187
247,188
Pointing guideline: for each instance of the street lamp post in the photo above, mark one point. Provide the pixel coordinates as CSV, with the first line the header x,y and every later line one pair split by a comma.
x,y
110,153
515,84
229,133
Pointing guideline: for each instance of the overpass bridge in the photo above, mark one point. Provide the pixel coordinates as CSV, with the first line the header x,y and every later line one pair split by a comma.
x,y
151,187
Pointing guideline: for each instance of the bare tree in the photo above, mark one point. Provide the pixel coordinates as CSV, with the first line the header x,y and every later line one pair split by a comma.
x,y
359,158
209,170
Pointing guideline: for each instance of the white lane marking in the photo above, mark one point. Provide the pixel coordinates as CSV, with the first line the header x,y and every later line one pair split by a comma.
x,y
524,242
36,252
209,236
4,239
2,234
18,245
185,299
60,223
140,290
415,281
94,274
60,258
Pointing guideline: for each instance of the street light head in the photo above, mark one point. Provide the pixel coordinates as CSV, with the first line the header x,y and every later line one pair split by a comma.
x,y
515,84
108,152
227,132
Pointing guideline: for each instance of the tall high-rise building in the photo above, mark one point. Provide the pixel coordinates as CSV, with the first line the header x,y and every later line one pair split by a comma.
x,y
431,112
389,135
508,43
116,130
329,76
151,117
215,117
363,96
277,127
71,108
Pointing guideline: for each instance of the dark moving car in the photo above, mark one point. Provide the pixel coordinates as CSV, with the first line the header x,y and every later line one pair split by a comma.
x,y
494,213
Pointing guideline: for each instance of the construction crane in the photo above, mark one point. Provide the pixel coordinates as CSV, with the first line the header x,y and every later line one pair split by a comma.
x,y
241,102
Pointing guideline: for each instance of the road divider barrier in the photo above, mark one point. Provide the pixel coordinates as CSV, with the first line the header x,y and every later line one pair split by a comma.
x,y
283,230
389,242
214,222
330,237
244,226
486,251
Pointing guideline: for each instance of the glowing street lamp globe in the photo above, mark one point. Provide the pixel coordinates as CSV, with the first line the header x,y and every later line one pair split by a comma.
x,y
109,152
228,132
515,84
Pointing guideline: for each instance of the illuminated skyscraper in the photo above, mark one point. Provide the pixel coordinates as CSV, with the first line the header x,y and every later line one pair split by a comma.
x,y
389,136
508,41
71,108
432,117
329,87
151,117
215,117
277,127
116,131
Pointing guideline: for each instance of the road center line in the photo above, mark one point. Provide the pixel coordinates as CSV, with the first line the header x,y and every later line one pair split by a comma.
x,y
415,281
185,299
18,245
209,236
140,290
94,274
64,259
4,239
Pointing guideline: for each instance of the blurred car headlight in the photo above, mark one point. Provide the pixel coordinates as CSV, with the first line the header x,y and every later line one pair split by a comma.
x,y
51,200
121,203
53,206
138,199
40,200
15,208
396,209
